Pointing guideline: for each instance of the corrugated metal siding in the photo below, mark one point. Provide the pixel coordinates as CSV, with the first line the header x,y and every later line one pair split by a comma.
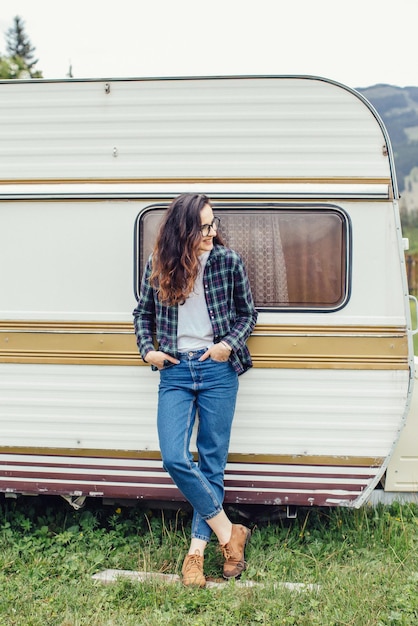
x,y
190,128
302,412
78,407
335,415
320,412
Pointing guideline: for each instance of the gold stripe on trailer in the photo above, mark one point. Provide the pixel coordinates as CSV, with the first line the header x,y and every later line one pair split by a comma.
x,y
154,455
275,180
271,346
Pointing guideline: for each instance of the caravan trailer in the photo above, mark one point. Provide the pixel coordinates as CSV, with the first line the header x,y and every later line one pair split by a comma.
x,y
301,172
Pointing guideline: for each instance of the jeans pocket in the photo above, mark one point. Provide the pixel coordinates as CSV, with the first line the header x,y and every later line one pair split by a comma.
x,y
167,364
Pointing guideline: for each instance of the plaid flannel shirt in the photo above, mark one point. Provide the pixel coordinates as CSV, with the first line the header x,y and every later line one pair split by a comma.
x,y
230,306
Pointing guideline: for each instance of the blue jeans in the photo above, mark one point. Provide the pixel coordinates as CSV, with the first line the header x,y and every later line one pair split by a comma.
x,y
210,388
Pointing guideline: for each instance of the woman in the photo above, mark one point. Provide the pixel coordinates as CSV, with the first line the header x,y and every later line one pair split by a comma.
x,y
196,297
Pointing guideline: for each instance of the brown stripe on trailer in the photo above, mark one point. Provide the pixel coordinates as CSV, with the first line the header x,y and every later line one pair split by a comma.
x,y
318,480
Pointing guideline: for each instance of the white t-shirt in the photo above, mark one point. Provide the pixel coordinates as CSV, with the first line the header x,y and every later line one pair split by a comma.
x,y
194,330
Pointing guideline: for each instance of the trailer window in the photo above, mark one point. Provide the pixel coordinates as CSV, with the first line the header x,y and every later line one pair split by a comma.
x,y
296,258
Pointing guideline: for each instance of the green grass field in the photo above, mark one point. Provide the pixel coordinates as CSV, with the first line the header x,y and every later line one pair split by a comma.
x,y
363,563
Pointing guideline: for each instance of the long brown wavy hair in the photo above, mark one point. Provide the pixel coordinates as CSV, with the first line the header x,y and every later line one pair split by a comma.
x,y
175,259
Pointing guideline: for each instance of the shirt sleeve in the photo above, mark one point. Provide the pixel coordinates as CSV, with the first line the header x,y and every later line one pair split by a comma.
x,y
144,314
245,312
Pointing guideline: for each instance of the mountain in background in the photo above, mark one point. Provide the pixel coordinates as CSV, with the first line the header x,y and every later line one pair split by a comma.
x,y
398,108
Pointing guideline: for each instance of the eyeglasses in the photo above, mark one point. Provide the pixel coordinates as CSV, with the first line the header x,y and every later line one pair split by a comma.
x,y
205,228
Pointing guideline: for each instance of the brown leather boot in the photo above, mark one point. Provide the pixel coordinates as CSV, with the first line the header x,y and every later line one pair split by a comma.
x,y
192,570
233,551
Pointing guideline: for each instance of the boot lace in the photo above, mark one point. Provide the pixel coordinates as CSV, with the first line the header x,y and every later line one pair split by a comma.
x,y
194,560
226,552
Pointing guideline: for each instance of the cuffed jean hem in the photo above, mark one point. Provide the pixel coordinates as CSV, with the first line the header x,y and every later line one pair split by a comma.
x,y
199,523
201,537
218,510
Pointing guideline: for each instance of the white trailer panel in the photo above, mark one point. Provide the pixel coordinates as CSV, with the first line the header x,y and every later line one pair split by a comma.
x,y
212,129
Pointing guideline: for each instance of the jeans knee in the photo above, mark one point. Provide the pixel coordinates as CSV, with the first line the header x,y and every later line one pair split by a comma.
x,y
174,464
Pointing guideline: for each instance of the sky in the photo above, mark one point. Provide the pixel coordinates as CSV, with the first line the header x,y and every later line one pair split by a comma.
x,y
356,42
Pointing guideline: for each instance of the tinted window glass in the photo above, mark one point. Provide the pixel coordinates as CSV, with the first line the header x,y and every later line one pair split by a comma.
x,y
296,258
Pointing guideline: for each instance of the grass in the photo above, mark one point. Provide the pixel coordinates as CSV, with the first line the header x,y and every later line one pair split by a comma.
x,y
365,563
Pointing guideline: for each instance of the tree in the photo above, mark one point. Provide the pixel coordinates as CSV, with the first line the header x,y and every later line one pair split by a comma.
x,y
14,67
21,52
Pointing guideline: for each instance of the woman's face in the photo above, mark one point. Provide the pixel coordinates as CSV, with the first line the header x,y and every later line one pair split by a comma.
x,y
206,218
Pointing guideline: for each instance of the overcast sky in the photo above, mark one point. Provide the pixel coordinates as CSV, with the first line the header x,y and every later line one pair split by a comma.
x,y
356,42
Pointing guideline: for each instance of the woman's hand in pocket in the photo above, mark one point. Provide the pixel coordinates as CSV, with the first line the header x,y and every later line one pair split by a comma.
x,y
159,359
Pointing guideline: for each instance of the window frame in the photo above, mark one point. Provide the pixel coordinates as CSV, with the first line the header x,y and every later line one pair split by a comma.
x,y
231,206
